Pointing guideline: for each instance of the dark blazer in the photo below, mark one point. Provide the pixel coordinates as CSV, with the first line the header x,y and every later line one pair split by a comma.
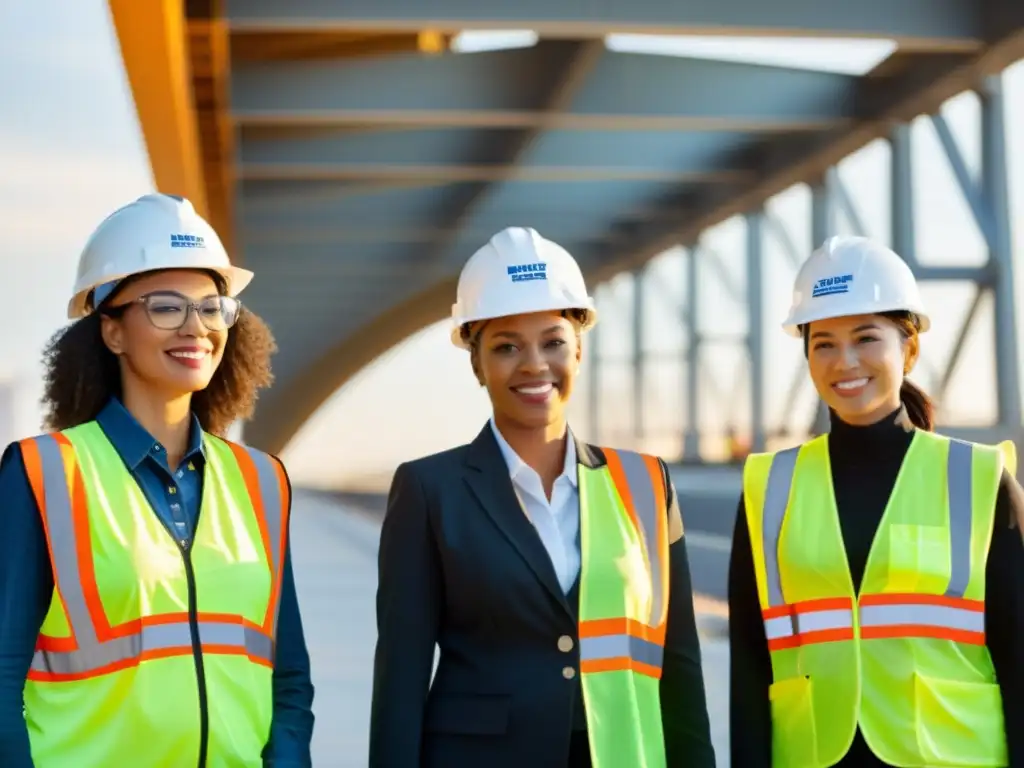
x,y
460,566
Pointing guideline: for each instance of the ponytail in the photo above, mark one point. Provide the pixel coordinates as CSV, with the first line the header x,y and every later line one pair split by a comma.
x,y
920,408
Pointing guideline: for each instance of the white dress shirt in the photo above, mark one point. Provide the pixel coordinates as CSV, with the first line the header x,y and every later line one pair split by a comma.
x,y
557,521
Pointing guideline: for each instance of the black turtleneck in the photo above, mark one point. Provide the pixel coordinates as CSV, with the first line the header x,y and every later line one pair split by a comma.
x,y
865,462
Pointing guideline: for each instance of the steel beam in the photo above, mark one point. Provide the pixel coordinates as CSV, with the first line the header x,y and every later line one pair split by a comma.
x,y
921,86
592,359
958,345
340,146
638,358
511,89
580,60
691,436
995,179
453,174
956,24
755,331
843,202
823,226
902,196
972,192
153,41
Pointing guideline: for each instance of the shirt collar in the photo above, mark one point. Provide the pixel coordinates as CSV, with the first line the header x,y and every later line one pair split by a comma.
x,y
133,442
517,465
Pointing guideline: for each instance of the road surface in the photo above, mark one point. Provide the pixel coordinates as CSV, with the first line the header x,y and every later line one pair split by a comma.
x,y
334,552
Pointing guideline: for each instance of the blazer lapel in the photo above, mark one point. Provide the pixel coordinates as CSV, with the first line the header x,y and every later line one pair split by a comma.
x,y
488,478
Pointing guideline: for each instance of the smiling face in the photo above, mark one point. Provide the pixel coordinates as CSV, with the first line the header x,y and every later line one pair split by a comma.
x,y
170,362
857,364
529,364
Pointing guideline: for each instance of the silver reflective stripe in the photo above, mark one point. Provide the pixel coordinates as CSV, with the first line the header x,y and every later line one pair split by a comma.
x,y
273,511
958,484
819,621
942,616
776,499
60,526
780,626
642,490
803,622
154,637
621,646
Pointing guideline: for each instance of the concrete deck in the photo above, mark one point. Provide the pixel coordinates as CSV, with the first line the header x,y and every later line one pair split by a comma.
x,y
335,553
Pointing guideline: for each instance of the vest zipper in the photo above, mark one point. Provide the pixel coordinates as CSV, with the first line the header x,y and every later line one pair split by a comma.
x,y
197,651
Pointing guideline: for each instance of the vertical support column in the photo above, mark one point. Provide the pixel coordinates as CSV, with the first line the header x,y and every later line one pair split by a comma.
x,y
592,354
902,197
823,214
996,187
638,357
823,226
691,437
755,332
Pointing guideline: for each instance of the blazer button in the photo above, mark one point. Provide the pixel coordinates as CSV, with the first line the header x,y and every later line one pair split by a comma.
x,y
568,673
565,643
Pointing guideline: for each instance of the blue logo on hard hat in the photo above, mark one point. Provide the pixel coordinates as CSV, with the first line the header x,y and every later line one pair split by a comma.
x,y
830,286
187,241
522,272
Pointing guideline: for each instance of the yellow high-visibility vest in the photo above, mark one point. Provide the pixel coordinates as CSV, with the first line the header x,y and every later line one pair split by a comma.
x,y
905,659
623,613
151,656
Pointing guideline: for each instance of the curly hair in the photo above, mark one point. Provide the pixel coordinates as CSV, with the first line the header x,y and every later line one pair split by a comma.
x,y
82,374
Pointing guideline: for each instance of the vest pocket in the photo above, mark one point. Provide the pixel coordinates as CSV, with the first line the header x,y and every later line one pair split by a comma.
x,y
955,717
794,737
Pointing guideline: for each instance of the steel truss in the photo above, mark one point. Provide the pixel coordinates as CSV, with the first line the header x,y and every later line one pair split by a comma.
x,y
987,197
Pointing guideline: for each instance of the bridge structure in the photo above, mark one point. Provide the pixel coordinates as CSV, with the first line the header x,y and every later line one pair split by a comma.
x,y
354,154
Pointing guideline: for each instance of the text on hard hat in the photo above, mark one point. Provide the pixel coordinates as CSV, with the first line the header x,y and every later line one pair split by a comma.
x,y
522,272
187,241
829,286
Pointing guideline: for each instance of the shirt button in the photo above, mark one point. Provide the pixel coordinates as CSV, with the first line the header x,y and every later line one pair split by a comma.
x,y
172,490
565,643
568,673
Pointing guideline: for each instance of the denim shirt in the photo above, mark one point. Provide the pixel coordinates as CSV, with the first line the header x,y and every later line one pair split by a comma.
x,y
26,586
173,495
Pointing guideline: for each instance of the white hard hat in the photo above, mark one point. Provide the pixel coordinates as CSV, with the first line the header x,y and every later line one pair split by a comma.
x,y
155,232
515,273
853,276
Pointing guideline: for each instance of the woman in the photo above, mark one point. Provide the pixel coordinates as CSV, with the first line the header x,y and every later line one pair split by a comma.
x,y
539,565
876,588
140,631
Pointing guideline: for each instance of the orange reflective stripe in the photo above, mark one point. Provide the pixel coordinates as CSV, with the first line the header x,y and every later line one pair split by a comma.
x,y
614,645
621,484
268,488
640,486
912,615
56,481
808,623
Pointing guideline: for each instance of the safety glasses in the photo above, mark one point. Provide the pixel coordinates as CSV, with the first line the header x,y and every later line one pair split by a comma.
x,y
169,310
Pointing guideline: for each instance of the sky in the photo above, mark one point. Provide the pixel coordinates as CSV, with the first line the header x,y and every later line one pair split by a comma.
x,y
71,152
